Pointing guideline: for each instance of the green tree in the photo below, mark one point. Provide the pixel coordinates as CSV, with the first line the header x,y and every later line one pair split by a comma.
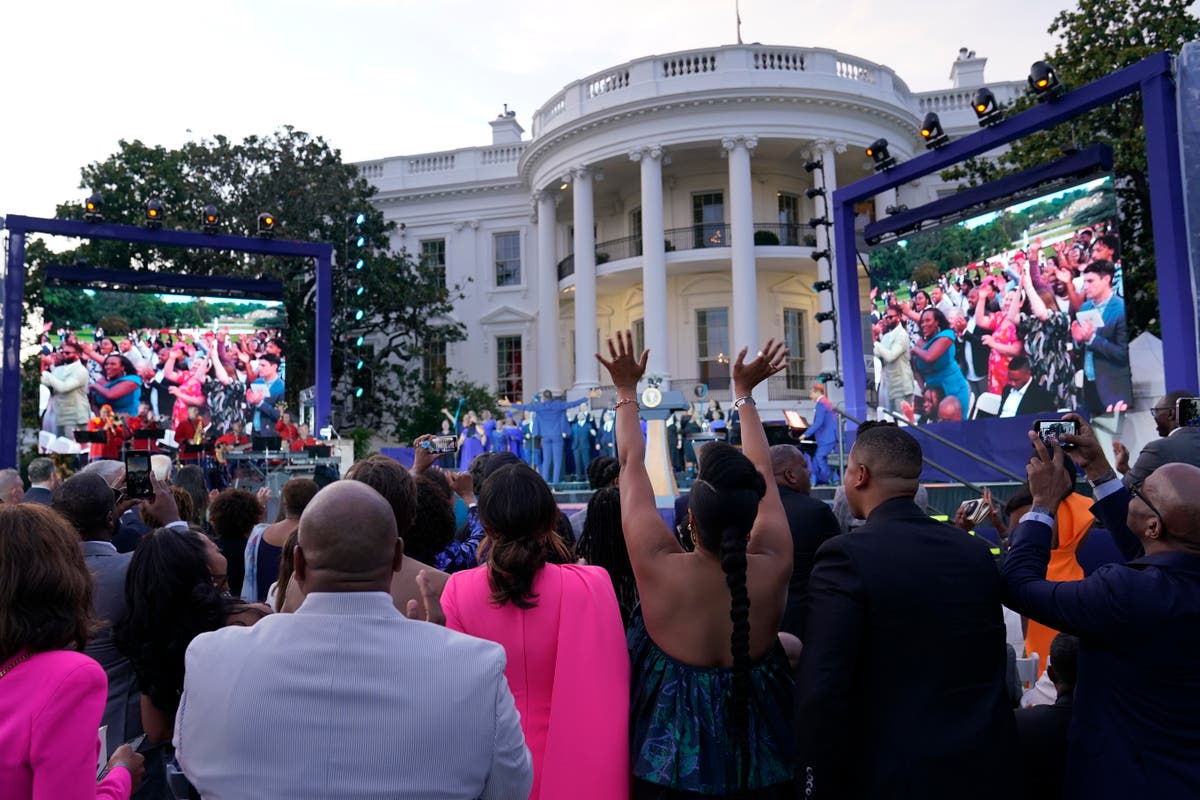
x,y
302,180
1097,38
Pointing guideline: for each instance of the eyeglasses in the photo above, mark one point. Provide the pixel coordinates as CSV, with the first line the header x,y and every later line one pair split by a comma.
x,y
1161,409
1135,490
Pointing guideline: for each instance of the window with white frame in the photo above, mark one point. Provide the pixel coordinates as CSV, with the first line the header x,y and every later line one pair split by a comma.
x,y
507,249
509,383
712,347
794,322
433,256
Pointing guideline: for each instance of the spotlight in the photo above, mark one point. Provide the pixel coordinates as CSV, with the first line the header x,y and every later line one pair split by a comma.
x,y
266,225
878,151
932,133
892,211
358,315
824,316
809,166
1044,82
359,365
154,214
823,286
829,377
92,207
210,220
825,346
358,392
359,291
819,254
814,193
358,264
985,108
360,241
359,341
360,219
815,221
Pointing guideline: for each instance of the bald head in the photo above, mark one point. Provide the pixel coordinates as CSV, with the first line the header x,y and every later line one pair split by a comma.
x,y
347,541
1174,489
950,410
790,468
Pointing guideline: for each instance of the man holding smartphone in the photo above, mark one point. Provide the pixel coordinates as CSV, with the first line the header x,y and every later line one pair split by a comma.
x,y
1179,443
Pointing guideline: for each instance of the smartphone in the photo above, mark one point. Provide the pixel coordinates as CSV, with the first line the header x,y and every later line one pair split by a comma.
x,y
441,444
975,510
1187,412
1051,431
137,476
135,744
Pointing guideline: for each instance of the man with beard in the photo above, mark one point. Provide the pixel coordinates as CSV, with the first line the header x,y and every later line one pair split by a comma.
x,y
892,349
1179,444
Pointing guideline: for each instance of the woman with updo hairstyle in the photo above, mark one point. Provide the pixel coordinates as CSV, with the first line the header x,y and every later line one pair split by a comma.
x,y
51,695
711,697
560,625
602,544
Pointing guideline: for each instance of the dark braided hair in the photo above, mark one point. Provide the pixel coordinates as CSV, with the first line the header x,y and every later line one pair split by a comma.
x,y
603,545
724,502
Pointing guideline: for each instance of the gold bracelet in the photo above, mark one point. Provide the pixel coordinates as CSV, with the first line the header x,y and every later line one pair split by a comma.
x,y
624,401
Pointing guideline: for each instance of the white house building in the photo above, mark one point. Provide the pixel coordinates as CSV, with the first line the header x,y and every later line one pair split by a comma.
x,y
666,195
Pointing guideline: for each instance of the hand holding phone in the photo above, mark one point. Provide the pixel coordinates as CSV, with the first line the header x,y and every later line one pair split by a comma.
x,y
440,445
1052,431
137,476
1187,412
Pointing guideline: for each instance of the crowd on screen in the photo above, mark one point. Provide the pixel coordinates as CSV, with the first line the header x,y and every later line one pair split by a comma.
x,y
425,632
200,386
1038,331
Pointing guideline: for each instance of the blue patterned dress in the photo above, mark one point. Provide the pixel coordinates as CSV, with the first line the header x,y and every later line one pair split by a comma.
x,y
682,742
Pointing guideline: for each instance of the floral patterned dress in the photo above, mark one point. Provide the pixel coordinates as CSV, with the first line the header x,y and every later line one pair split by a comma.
x,y
1004,331
1048,344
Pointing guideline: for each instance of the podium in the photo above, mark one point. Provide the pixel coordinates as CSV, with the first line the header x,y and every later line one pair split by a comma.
x,y
655,407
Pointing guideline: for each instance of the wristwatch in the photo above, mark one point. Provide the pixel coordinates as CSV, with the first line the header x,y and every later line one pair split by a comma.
x,y
1105,478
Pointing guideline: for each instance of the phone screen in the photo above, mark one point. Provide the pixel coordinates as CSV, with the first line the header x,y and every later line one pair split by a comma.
x,y
1187,412
1051,431
137,476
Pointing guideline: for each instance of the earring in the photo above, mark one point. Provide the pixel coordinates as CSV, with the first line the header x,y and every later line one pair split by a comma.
x,y
692,532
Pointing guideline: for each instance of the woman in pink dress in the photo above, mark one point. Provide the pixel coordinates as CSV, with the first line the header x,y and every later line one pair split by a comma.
x,y
568,666
1003,339
51,696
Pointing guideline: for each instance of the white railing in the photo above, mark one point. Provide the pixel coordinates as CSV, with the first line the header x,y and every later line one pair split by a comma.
x,y
609,83
721,68
437,162
371,171
501,154
949,100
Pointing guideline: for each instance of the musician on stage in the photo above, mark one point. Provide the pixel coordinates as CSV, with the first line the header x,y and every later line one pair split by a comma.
x,y
286,430
189,431
303,439
115,431
234,437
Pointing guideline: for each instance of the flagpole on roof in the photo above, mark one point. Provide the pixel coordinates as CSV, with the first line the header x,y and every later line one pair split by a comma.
x,y
737,7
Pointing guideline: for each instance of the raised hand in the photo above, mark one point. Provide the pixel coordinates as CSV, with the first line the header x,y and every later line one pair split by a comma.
x,y
1121,455
423,456
1085,449
625,370
768,361
430,598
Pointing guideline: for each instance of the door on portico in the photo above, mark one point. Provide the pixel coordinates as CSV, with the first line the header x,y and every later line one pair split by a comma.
x,y
712,347
708,220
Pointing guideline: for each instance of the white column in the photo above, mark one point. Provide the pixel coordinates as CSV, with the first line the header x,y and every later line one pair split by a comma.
x,y
882,201
547,288
741,230
654,263
826,178
587,369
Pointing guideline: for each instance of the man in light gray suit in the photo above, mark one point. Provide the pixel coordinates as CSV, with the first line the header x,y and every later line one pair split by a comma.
x,y
1179,444
346,697
87,502
892,349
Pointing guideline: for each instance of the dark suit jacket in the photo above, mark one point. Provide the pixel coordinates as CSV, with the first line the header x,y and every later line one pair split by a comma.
x,y
979,352
1110,354
1182,446
122,711
902,679
1035,401
38,494
1042,738
1136,727
812,522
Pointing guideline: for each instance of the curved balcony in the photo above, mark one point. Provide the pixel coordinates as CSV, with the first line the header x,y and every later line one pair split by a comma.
x,y
697,237
772,69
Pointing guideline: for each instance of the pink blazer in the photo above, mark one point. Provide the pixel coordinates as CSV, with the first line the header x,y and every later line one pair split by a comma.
x,y
568,669
50,710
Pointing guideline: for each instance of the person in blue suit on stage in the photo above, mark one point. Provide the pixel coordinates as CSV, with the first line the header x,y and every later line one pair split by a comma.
x,y
823,431
583,441
552,424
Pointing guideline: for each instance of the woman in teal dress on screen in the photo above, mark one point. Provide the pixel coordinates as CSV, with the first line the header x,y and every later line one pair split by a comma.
x,y
933,357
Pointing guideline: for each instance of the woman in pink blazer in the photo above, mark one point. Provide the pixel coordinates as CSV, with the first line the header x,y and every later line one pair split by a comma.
x,y
51,696
568,666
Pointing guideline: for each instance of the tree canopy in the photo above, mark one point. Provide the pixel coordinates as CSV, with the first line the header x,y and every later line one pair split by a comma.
x,y
1097,38
314,196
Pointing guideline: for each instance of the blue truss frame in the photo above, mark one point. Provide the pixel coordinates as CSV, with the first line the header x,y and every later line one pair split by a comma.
x,y
14,296
1154,78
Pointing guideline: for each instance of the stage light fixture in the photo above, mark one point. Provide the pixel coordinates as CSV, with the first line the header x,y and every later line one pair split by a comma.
x,y
819,254
878,151
826,346
359,365
358,292
358,264
210,220
823,286
360,241
932,132
360,219
359,341
154,213
814,193
1044,82
358,392
892,211
824,316
815,221
358,315
809,166
266,225
92,207
829,377
985,108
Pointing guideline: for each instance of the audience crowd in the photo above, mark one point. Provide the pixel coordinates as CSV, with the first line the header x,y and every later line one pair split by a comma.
x,y
362,644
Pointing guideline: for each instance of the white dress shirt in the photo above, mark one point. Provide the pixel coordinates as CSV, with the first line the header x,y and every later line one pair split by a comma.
x,y
347,699
1013,401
